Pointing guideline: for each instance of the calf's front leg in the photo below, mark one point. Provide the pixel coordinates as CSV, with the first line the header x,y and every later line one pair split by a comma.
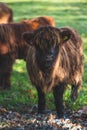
x,y
41,100
58,98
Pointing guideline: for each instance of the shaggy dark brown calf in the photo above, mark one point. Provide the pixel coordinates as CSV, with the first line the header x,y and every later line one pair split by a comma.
x,y
6,13
54,60
12,47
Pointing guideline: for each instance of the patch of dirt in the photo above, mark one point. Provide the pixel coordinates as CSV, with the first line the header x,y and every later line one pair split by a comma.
x,y
10,120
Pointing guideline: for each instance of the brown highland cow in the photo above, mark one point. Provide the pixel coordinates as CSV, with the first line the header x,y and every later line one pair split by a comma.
x,y
54,60
36,22
12,46
6,13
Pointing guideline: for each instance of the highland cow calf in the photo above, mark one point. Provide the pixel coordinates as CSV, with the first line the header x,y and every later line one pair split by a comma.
x,y
6,13
54,60
12,47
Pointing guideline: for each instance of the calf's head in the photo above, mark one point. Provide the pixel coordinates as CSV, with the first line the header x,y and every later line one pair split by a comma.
x,y
47,42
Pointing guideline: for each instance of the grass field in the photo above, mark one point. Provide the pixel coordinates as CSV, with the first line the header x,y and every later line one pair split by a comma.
x,y
71,13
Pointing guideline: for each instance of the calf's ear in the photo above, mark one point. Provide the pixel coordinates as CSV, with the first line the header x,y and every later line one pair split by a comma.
x,y
28,37
65,35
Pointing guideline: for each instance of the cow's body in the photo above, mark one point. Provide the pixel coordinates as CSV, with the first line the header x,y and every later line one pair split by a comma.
x,y
12,46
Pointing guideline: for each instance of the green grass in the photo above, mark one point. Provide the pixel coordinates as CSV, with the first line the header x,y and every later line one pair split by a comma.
x,y
71,13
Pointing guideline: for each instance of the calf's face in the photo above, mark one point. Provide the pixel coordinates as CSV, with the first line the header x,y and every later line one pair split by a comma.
x,y
47,41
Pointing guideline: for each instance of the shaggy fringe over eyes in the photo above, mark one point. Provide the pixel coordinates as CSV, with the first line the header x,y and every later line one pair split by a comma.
x,y
46,37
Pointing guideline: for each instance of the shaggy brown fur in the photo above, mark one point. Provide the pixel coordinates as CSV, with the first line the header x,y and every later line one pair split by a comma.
x,y
6,13
43,20
56,60
12,47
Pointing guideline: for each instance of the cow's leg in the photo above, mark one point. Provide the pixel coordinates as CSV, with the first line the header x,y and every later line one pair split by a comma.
x,y
41,100
0,80
74,92
5,78
6,81
58,97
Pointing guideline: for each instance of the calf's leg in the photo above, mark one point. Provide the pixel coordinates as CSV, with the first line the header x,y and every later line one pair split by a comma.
x,y
74,92
58,97
6,83
41,100
5,76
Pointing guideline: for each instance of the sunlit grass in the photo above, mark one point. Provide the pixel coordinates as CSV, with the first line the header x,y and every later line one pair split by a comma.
x,y
66,13
64,1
